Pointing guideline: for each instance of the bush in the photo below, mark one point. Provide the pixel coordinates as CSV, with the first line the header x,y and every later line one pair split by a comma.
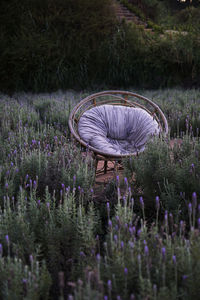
x,y
171,174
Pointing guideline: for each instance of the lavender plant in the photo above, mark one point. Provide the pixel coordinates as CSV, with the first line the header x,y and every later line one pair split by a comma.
x,y
56,241
140,261
171,173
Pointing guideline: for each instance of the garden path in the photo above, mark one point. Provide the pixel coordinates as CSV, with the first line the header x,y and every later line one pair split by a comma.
x,y
123,12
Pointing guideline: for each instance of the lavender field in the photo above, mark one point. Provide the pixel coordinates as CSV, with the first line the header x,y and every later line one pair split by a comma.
x,y
141,240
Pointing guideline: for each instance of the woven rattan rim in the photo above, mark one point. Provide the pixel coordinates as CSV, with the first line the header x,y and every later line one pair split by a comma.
x,y
119,98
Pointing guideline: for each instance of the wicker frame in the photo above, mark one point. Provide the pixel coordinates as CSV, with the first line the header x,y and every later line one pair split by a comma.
x,y
123,98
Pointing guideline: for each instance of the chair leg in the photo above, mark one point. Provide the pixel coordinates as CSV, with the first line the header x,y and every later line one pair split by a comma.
x,y
116,166
105,166
95,163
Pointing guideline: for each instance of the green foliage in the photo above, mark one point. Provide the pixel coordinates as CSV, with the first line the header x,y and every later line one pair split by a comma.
x,y
48,45
19,281
170,173
57,242
36,148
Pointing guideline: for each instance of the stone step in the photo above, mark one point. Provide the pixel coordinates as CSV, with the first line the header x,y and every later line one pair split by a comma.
x,y
123,13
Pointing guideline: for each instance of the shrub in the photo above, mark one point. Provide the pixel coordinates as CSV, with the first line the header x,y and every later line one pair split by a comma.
x,y
171,174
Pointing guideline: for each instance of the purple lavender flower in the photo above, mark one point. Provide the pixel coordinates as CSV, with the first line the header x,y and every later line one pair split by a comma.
x,y
118,297
194,200
105,297
125,271
134,229
166,216
184,277
7,239
190,207
98,257
139,232
110,223
131,230
131,244
157,202
122,244
63,186
82,254
92,191
126,180
108,206
48,205
132,297
132,201
109,283
31,258
155,288
124,200
24,280
181,224
117,218
146,250
174,259
34,184
141,202
115,238
163,250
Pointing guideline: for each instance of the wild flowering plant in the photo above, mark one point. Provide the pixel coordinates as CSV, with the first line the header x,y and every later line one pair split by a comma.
x,y
142,260
56,241
170,173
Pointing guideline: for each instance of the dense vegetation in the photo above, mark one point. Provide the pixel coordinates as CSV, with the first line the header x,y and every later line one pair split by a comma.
x,y
57,241
140,238
48,45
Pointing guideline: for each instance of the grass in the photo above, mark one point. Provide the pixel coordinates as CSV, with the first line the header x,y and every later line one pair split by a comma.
x,y
57,242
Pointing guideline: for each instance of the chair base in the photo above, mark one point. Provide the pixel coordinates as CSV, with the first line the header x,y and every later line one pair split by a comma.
x,y
117,164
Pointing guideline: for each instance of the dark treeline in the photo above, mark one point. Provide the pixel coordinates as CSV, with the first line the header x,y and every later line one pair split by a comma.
x,y
49,45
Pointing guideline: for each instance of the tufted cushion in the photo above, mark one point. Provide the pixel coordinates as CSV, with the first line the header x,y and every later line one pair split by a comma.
x,y
117,129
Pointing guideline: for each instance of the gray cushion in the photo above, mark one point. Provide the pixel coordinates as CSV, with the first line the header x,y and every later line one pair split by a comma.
x,y
117,129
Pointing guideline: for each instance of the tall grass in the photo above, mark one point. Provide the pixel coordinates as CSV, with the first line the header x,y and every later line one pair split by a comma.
x,y
48,45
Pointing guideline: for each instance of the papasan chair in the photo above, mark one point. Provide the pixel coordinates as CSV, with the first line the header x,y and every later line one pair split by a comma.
x,y
116,124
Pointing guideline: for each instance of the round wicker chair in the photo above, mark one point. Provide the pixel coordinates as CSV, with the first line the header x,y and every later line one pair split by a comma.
x,y
118,98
